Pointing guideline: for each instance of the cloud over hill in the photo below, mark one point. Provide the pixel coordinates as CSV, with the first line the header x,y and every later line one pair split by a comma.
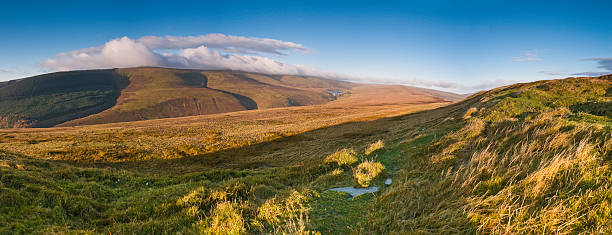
x,y
219,51
211,51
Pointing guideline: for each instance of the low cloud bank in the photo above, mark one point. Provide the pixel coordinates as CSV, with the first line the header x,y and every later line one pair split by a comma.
x,y
213,51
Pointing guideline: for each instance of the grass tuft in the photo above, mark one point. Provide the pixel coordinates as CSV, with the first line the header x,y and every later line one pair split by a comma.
x,y
343,157
366,171
225,219
374,147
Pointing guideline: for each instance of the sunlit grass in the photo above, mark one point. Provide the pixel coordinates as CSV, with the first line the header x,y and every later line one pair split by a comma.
x,y
343,157
523,162
374,146
366,171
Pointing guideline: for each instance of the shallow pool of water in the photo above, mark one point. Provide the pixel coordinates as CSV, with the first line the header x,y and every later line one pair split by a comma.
x,y
356,191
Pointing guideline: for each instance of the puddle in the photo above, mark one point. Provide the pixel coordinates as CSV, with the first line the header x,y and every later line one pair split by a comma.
x,y
356,191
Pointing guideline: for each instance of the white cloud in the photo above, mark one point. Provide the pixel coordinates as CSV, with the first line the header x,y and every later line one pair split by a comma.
x,y
433,84
458,87
527,57
122,52
218,51
228,43
550,73
464,87
126,52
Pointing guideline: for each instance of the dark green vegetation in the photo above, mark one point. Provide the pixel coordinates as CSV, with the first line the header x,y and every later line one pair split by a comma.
x,y
526,158
50,99
117,95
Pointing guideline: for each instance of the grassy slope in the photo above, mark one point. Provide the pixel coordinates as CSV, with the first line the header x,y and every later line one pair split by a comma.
x,y
524,158
210,135
265,161
527,158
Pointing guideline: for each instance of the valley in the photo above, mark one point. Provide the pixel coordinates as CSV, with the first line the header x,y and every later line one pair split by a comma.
x,y
505,160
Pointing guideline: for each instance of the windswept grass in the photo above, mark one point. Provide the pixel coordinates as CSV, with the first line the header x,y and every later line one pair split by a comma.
x,y
287,213
523,162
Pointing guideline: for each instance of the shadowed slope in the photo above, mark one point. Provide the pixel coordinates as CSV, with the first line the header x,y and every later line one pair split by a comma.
x,y
49,99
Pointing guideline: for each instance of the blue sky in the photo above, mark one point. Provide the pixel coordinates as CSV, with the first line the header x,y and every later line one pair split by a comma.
x,y
449,45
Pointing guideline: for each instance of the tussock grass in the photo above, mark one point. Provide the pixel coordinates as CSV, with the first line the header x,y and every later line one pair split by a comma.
x,y
285,214
169,140
225,219
343,157
366,171
374,147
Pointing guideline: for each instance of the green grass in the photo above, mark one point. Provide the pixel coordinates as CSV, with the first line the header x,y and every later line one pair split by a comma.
x,y
283,199
43,196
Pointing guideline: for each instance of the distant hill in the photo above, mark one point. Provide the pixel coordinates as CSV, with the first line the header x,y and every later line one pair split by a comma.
x,y
131,94
50,99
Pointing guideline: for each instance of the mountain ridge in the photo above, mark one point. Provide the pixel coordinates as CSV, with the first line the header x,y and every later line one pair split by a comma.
x,y
129,94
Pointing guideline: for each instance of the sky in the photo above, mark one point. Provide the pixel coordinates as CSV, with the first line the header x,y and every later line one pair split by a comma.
x,y
457,46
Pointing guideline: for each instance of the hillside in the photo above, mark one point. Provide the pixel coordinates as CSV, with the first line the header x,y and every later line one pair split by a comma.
x,y
50,99
525,158
161,93
117,95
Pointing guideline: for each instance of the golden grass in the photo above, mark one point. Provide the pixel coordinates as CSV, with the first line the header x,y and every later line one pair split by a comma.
x,y
342,157
225,219
285,214
160,141
518,165
194,174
